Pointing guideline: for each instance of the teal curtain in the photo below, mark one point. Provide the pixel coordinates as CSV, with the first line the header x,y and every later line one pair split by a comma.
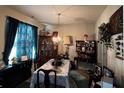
x,y
35,43
25,42
10,34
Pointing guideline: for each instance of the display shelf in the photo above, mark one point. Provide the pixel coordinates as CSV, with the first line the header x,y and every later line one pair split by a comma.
x,y
86,50
46,49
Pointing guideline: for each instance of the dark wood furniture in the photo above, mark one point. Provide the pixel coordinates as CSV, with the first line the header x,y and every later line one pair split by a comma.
x,y
47,83
101,77
46,49
11,76
86,51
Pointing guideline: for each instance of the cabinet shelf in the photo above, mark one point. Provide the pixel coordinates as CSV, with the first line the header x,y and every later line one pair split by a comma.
x,y
46,49
86,50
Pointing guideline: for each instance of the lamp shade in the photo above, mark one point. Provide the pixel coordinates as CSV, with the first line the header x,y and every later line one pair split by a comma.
x,y
85,37
68,40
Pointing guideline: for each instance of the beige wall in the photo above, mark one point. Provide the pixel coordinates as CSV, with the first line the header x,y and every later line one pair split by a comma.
x,y
76,31
115,64
6,11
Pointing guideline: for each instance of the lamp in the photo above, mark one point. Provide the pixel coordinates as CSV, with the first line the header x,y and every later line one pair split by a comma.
x,y
68,41
85,37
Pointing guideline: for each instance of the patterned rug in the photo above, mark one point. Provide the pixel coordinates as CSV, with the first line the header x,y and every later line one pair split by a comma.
x,y
80,79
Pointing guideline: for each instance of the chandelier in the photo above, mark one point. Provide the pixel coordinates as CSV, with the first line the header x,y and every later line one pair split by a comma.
x,y
56,39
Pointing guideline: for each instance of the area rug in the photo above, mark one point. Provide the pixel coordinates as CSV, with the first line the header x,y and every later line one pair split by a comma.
x,y
81,80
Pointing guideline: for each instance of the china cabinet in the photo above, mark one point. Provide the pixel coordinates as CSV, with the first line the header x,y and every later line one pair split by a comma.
x,y
46,49
86,51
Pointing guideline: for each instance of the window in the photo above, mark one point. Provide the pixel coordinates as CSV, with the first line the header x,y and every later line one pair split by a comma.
x,y
24,43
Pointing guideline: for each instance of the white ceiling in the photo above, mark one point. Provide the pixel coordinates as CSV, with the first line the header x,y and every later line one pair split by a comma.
x,y
69,13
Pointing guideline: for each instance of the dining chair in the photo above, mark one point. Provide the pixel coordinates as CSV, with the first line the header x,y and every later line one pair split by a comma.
x,y
96,76
47,83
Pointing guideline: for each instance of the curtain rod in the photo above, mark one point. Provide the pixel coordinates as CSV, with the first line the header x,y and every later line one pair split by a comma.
x,y
21,21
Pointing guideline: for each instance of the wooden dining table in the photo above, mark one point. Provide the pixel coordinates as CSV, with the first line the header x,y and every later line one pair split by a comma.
x,y
62,74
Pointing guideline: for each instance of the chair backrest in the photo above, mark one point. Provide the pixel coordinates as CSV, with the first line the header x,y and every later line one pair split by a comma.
x,y
97,70
108,72
46,78
97,73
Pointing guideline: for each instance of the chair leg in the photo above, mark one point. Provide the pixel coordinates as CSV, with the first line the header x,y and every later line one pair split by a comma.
x,y
55,80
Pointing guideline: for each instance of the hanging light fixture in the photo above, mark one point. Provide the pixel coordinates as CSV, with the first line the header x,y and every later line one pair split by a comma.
x,y
59,14
56,39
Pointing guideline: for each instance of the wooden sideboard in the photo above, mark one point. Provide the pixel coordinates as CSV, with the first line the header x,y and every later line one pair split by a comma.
x,y
13,75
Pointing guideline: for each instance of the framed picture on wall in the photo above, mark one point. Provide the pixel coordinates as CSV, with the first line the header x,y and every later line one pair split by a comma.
x,y
116,21
119,46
